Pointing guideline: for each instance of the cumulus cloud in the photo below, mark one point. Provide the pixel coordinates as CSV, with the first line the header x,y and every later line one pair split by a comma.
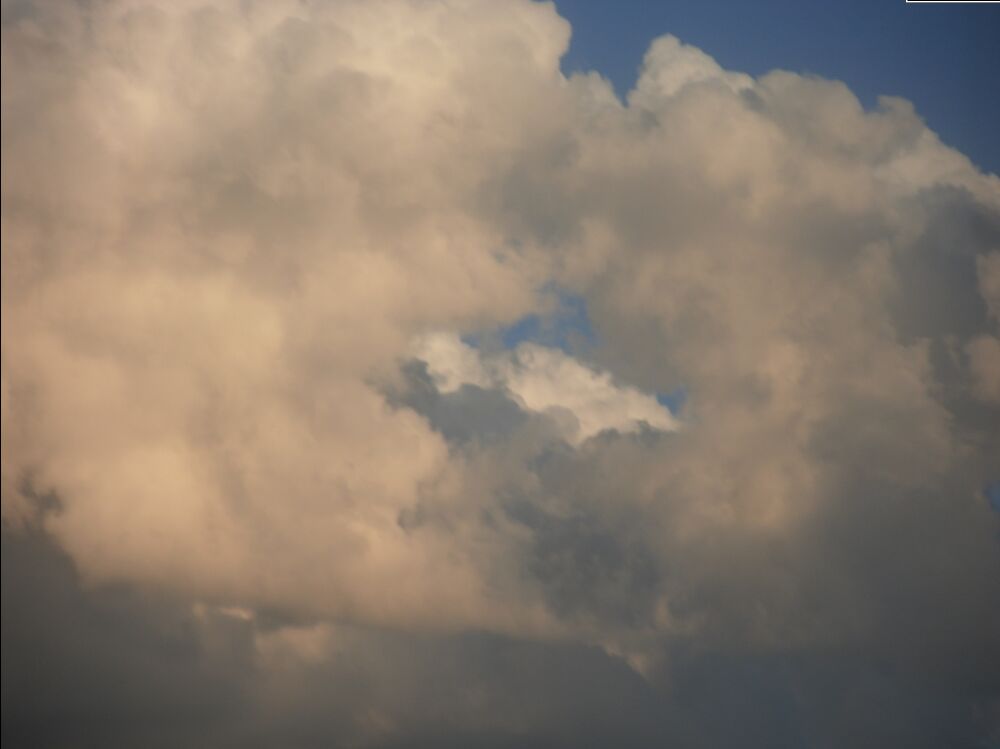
x,y
670,66
242,245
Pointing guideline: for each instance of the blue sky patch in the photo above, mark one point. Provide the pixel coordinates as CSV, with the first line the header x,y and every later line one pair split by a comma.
x,y
566,327
673,400
992,492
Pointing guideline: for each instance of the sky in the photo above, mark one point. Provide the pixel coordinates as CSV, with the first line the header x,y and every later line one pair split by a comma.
x,y
471,373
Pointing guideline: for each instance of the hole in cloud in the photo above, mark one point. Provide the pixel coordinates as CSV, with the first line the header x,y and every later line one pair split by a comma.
x,y
992,493
564,324
673,400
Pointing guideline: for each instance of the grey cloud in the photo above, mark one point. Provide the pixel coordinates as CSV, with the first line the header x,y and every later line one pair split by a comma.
x,y
109,668
470,413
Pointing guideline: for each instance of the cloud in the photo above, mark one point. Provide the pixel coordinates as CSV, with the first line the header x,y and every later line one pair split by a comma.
x,y
543,379
670,65
984,351
242,246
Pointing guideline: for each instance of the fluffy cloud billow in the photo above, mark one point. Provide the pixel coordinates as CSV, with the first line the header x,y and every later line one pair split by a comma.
x,y
260,487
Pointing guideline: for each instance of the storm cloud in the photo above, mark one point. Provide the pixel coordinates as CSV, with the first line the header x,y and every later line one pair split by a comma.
x,y
276,471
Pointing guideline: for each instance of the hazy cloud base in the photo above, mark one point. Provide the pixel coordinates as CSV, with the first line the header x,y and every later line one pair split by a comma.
x,y
258,492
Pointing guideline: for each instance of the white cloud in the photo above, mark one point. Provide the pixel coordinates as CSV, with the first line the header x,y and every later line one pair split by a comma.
x,y
545,380
670,66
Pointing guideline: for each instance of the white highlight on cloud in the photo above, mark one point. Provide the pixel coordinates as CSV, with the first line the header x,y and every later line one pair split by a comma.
x,y
669,66
545,380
